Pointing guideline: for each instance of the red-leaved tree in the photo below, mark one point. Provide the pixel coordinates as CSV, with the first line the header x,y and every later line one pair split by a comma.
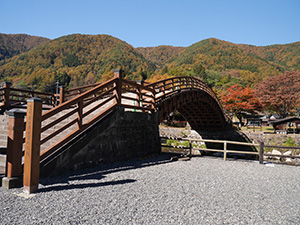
x,y
280,93
237,100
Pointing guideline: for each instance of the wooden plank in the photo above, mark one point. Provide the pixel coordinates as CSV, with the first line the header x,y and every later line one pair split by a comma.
x,y
75,100
135,85
58,120
283,156
103,94
56,132
98,106
50,150
221,141
283,147
31,92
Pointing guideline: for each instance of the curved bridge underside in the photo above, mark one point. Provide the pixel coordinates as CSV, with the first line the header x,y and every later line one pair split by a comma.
x,y
197,107
194,100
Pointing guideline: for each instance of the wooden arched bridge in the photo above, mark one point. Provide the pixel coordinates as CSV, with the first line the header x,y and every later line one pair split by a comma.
x,y
46,132
193,99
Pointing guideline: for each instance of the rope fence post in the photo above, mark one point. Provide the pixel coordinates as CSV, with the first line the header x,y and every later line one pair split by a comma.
x,y
32,145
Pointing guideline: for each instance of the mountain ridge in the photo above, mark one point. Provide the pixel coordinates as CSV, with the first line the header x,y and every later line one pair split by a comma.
x,y
77,59
14,44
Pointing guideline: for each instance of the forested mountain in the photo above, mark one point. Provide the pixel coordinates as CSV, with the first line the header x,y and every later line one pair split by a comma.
x,y
161,54
287,56
80,59
222,64
14,44
75,60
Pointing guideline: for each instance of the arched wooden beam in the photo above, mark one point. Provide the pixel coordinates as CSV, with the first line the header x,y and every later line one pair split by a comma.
x,y
193,99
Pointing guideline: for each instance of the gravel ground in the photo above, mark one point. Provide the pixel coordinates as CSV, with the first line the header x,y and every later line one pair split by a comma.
x,y
204,190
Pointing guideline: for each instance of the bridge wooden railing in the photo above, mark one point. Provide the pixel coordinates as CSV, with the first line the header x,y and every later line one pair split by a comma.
x,y
10,97
168,87
45,133
100,101
67,94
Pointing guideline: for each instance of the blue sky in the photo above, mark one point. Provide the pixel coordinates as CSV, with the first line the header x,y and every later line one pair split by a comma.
x,y
144,23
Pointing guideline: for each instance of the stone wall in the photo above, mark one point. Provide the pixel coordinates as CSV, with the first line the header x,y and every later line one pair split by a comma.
x,y
120,136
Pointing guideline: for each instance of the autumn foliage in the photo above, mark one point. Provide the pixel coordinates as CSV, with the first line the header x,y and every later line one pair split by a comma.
x,y
237,100
280,93
78,59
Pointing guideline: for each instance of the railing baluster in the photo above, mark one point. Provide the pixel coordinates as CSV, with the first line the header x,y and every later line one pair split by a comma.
x,y
225,150
62,94
79,114
118,85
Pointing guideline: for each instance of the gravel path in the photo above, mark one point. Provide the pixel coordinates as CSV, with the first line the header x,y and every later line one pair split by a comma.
x,y
204,190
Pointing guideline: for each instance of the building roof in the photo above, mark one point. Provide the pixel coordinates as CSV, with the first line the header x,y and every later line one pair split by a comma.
x,y
286,120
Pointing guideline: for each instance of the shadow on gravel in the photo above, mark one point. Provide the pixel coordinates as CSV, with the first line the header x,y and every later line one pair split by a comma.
x,y
99,172
81,186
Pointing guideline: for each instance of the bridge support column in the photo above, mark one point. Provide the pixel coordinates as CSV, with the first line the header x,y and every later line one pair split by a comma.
x,y
32,145
14,149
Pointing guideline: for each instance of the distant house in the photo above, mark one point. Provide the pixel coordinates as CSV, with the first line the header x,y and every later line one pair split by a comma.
x,y
286,125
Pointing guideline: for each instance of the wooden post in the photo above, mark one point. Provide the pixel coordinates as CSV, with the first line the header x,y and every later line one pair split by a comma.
x,y
140,98
261,152
190,147
61,94
225,150
14,149
6,86
118,85
32,145
153,100
79,114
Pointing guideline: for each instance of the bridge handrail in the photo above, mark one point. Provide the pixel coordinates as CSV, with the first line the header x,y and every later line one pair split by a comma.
x,y
109,92
2,96
79,90
169,86
12,96
179,83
